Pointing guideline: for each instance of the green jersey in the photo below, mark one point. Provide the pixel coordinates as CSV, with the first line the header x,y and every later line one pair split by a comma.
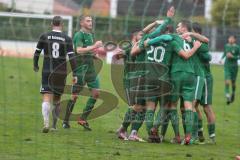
x,y
199,69
127,58
178,63
234,50
82,39
161,53
205,58
140,57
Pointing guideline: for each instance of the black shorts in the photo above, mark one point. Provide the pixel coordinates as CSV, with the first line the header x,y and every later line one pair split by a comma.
x,y
53,83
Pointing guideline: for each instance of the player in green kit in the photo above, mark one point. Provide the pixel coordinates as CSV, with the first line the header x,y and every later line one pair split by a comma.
x,y
231,55
200,78
183,78
141,55
206,98
203,90
135,113
84,47
157,51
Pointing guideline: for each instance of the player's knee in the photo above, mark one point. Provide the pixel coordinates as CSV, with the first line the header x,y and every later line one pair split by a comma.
x,y
95,94
137,108
227,82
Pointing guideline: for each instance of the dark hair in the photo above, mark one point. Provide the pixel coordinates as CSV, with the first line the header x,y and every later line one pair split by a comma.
x,y
197,27
135,31
187,24
57,21
231,35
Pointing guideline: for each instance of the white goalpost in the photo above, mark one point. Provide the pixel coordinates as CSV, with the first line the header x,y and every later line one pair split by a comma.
x,y
39,16
24,47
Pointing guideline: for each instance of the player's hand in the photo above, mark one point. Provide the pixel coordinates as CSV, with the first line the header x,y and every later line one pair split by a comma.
x,y
98,44
186,35
74,80
197,44
188,38
171,12
36,68
229,55
146,42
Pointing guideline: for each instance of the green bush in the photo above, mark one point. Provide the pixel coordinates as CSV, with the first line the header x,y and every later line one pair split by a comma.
x,y
231,10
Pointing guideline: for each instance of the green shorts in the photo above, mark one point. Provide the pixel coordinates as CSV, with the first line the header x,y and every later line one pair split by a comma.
x,y
183,86
162,101
230,72
76,89
199,88
207,91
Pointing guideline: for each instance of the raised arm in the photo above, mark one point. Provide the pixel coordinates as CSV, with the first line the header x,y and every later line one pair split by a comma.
x,y
167,21
149,27
135,49
161,38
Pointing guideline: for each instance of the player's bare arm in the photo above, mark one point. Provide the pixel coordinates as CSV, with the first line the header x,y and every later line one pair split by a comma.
x,y
188,54
198,36
135,49
171,12
149,27
81,50
119,54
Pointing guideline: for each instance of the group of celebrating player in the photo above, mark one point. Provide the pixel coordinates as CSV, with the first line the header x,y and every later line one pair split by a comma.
x,y
184,57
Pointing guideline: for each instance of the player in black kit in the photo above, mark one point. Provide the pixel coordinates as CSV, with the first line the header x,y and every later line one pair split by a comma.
x,y
56,46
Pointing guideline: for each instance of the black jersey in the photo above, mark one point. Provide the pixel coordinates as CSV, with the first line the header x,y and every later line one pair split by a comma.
x,y
55,46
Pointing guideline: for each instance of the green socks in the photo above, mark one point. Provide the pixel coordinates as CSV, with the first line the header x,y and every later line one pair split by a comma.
x,y
89,106
183,121
159,118
128,117
188,121
195,125
175,121
138,121
149,118
165,121
211,130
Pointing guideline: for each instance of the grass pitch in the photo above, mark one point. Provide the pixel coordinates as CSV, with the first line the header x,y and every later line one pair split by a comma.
x,y
21,124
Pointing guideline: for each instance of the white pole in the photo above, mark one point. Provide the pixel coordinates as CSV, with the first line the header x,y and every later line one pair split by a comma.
x,y
70,23
208,7
113,8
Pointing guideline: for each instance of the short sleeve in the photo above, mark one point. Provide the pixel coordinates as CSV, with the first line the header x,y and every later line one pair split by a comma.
x,y
78,40
40,44
176,47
